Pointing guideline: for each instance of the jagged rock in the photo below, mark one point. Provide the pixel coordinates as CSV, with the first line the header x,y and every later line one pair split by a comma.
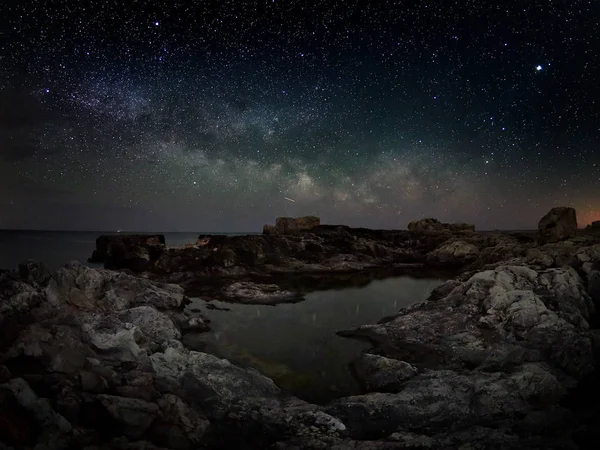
x,y
155,325
595,225
430,225
269,229
558,224
454,253
94,289
179,427
210,382
307,222
425,225
135,415
381,374
286,225
26,419
489,361
506,342
259,294
131,251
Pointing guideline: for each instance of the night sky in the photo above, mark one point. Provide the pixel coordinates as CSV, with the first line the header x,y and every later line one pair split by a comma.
x,y
221,115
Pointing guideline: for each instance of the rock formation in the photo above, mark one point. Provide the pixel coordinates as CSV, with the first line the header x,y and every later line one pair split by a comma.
x,y
558,224
95,359
430,225
504,356
595,225
133,251
287,225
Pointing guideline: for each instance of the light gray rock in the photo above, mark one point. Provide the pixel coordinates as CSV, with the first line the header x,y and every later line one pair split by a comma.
x,y
98,289
454,253
209,382
155,325
259,294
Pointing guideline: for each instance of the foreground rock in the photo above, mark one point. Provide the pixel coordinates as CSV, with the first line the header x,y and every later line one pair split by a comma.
x,y
506,346
499,358
93,359
559,224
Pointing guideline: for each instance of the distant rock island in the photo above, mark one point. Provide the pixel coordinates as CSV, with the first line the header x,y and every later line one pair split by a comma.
x,y
503,355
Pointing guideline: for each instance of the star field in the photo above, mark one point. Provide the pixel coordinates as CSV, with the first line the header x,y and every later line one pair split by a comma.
x,y
221,115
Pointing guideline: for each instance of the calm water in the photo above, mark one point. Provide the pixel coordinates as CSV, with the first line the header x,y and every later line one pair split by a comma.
x,y
296,344
56,248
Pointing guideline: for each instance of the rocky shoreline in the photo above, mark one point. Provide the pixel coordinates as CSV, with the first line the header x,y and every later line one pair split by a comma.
x,y
502,356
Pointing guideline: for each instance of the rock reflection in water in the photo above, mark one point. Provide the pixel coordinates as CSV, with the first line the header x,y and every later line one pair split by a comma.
x,y
296,344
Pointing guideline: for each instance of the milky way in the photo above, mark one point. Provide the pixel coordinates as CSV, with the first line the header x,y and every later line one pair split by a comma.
x,y
222,115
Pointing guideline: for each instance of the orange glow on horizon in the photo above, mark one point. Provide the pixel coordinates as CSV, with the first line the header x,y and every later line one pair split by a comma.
x,y
586,217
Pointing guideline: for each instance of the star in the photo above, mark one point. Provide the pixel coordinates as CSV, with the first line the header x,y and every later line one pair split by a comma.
x,y
538,68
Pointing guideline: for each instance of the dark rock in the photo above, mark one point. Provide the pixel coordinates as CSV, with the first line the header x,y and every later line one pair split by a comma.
x,y
92,382
95,358
259,294
455,253
381,374
130,251
558,224
133,414
179,426
286,225
432,226
595,225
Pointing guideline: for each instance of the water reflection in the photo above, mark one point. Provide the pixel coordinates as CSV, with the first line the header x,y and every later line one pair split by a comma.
x,y
296,344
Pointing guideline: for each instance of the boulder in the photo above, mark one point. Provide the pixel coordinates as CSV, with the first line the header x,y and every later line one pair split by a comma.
x,y
425,225
380,374
558,224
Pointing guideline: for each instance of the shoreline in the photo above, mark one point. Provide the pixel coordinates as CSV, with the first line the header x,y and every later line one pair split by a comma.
x,y
497,357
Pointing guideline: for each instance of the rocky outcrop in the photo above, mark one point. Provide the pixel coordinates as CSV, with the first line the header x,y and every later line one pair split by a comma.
x,y
287,225
595,225
506,346
558,224
96,359
132,251
433,226
259,294
455,253
93,359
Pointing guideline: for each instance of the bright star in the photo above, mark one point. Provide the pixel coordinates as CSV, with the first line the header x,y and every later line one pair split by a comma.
x,y
156,24
538,68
